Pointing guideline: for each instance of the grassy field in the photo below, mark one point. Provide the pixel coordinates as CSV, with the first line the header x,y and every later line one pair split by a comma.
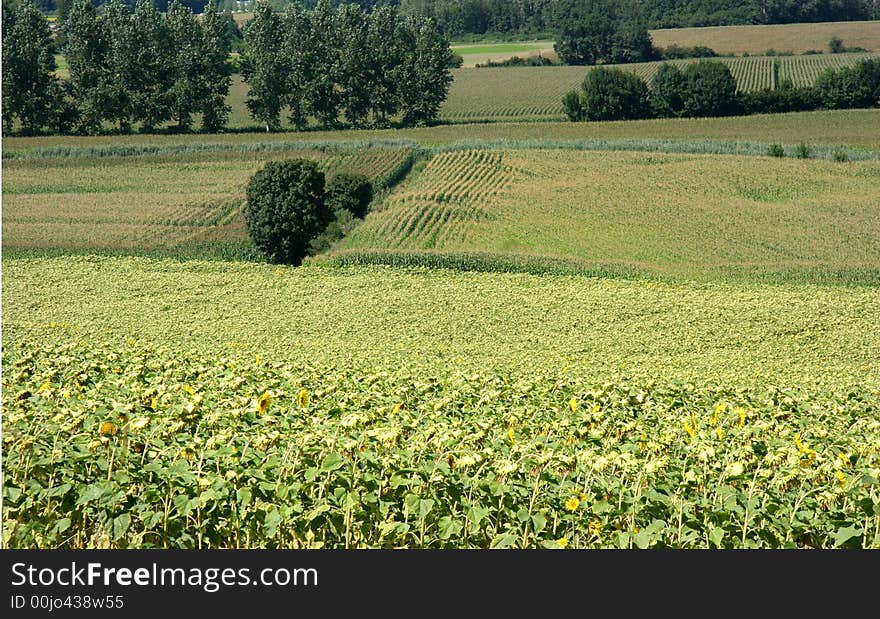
x,y
746,216
258,406
181,204
477,53
858,129
796,38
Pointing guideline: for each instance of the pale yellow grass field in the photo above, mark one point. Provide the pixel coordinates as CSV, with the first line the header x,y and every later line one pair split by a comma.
x,y
796,38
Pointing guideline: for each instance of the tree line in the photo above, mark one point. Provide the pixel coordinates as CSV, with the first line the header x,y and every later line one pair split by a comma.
x,y
330,64
477,17
707,88
125,68
344,63
462,17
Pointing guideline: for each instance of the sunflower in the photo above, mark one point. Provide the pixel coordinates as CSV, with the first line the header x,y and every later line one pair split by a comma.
x,y
263,403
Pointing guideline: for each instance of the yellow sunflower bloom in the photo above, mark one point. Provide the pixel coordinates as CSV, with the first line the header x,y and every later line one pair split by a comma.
x,y
263,403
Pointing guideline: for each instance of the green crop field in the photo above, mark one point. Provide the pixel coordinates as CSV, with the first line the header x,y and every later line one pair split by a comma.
x,y
696,215
198,405
473,54
179,204
796,38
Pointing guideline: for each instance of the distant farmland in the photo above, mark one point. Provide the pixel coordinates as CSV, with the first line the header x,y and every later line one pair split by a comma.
x,y
535,93
474,54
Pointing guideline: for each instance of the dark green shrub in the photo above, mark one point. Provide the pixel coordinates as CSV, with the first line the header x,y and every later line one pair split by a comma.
x,y
869,74
286,209
836,46
676,51
335,231
776,150
668,91
350,192
571,103
710,89
841,156
843,88
519,61
614,94
802,151
784,99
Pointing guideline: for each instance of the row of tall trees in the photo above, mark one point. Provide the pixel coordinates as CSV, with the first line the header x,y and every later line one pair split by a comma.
x,y
125,68
345,63
145,67
31,93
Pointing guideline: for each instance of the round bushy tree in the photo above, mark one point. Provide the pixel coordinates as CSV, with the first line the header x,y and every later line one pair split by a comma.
x,y
286,209
613,94
351,192
571,103
668,91
710,89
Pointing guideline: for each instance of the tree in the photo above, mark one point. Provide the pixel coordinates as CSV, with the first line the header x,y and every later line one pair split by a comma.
x,y
152,70
668,91
632,42
286,209
614,94
594,31
300,68
216,44
385,54
423,77
354,63
264,66
710,89
836,46
189,87
119,88
86,54
350,192
323,92
31,91
586,39
571,103
850,87
8,25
